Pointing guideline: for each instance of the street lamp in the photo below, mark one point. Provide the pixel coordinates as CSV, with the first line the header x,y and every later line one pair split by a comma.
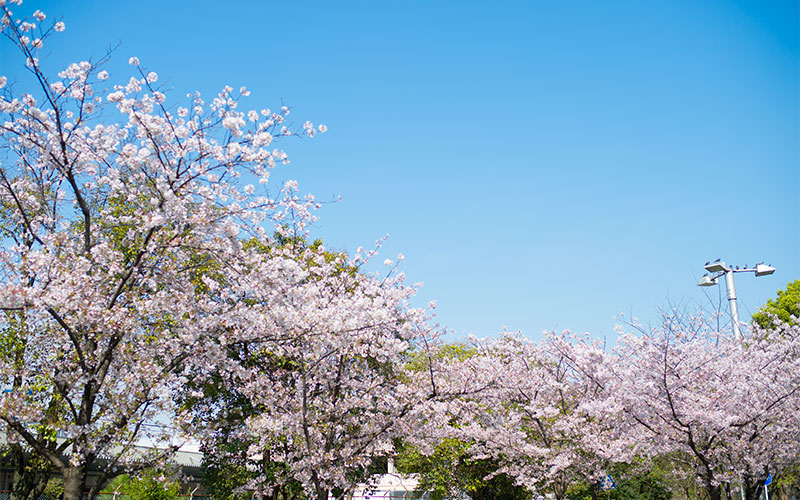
x,y
718,269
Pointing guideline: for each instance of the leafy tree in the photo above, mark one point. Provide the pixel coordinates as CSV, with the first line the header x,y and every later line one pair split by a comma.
x,y
147,485
230,468
784,307
630,484
54,488
450,472
445,451
32,470
789,478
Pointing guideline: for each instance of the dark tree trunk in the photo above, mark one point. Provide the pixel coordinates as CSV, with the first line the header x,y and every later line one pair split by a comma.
x,y
560,489
714,492
322,493
74,482
28,486
751,492
753,486
31,474
728,491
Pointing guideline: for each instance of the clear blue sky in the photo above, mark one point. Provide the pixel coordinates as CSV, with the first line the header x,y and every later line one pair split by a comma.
x,y
540,164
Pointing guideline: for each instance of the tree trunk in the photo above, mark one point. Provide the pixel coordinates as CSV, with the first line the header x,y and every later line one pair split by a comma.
x,y
728,491
560,489
27,486
31,474
714,492
74,483
753,485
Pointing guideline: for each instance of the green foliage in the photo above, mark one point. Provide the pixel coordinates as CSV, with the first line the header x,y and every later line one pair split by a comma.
x,y
227,465
648,485
784,306
116,482
13,339
449,472
224,475
227,468
54,488
789,477
125,237
150,485
32,469
418,360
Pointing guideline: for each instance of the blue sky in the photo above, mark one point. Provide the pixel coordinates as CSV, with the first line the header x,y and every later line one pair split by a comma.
x,y
540,165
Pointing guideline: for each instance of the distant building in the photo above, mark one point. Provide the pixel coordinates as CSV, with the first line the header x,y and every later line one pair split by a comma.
x,y
190,463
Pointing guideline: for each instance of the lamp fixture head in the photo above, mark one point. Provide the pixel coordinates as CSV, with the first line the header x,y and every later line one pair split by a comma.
x,y
716,267
707,281
763,270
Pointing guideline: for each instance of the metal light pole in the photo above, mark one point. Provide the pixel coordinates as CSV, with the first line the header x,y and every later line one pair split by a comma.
x,y
718,269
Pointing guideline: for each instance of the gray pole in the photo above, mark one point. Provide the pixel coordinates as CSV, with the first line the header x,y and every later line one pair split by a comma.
x,y
731,287
732,301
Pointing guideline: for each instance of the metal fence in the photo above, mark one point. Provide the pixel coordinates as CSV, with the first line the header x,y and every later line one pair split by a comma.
x,y
378,495
391,495
111,496
119,496
6,495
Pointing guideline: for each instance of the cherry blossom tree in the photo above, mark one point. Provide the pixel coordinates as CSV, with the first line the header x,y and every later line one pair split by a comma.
x,y
435,447
518,405
730,409
331,394
113,206
535,420
565,410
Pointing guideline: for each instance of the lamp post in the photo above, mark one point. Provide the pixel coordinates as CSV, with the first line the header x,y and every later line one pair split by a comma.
x,y
718,269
